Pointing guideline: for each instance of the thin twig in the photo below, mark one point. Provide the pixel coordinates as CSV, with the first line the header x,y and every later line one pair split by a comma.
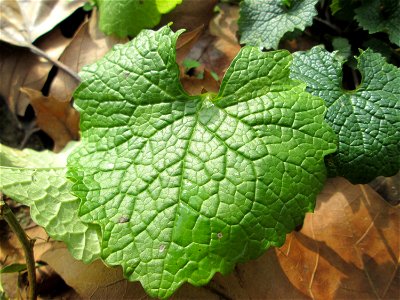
x,y
57,63
330,25
26,243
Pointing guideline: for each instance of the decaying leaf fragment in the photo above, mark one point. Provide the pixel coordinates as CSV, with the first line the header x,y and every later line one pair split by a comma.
x,y
55,117
88,45
22,68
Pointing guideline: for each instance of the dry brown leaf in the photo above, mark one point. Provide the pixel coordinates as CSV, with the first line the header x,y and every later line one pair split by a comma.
x,y
217,48
226,46
262,278
348,249
196,86
22,22
388,188
11,251
190,14
185,43
301,43
88,45
55,117
21,68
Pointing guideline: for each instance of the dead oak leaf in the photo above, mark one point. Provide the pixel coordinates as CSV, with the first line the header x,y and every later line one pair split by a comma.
x,y
21,68
88,45
185,43
348,249
55,117
11,252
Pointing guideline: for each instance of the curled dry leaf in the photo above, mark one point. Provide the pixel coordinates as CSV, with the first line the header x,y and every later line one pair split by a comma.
x,y
21,68
226,46
388,188
218,47
185,43
193,85
55,117
348,249
88,45
22,22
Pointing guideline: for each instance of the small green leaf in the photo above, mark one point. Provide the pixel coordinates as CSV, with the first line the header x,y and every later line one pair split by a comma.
x,y
287,3
376,16
190,64
129,17
366,120
344,9
214,75
336,5
13,268
37,179
381,47
187,186
342,48
88,6
264,23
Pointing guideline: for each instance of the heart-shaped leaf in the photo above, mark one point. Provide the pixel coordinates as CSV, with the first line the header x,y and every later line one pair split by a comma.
x,y
186,186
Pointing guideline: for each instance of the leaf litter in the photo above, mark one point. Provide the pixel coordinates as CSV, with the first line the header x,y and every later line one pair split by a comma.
x,y
348,248
352,237
55,116
25,69
87,45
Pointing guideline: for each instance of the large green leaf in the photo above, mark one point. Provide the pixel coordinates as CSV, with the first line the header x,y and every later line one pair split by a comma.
x,y
37,179
264,22
381,16
367,119
127,17
186,186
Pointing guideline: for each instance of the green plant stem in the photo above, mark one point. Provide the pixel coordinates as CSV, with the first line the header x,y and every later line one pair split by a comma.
x,y
27,246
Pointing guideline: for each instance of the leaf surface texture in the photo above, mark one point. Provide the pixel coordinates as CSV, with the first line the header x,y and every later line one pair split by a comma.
x,y
37,179
380,16
186,186
366,120
263,23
